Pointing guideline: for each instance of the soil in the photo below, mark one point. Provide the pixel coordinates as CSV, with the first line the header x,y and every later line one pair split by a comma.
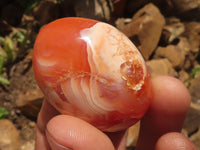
x,y
21,80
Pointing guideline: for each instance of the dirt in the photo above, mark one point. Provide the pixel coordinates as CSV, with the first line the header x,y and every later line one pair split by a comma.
x,y
21,80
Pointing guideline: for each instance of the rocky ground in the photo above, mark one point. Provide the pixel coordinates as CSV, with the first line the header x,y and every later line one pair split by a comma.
x,y
167,32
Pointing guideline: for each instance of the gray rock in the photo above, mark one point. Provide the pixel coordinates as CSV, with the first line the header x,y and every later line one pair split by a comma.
x,y
133,133
185,5
184,77
172,30
172,53
29,145
9,136
94,9
184,45
145,29
195,138
187,8
192,122
192,33
30,102
46,11
161,67
176,54
194,89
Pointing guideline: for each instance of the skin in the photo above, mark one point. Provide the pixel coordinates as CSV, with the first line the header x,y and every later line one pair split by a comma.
x,y
160,127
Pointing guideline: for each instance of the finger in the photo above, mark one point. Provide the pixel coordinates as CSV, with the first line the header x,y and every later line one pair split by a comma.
x,y
46,113
174,141
167,111
67,132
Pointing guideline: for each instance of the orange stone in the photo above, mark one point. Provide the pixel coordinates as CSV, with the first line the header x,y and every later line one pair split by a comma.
x,y
90,70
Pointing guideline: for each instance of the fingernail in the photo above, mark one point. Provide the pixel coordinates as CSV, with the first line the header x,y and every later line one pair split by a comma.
x,y
54,145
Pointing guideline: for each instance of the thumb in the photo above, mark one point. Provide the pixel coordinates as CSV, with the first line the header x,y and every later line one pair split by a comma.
x,y
67,132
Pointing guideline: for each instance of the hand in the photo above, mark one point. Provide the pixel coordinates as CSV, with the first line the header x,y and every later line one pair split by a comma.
x,y
159,129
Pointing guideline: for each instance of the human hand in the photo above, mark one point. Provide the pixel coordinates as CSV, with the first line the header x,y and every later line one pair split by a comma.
x,y
159,129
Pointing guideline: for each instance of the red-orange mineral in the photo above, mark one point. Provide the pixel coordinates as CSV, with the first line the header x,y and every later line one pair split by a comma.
x,y
90,70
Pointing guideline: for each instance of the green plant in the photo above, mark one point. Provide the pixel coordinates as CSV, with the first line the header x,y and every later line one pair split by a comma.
x,y
3,113
2,59
11,47
22,38
29,5
195,71
59,1
4,80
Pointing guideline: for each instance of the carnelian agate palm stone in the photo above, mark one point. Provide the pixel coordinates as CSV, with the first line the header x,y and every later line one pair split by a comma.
x,y
90,70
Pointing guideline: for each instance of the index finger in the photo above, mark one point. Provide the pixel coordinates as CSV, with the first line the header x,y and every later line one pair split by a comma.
x,y
46,113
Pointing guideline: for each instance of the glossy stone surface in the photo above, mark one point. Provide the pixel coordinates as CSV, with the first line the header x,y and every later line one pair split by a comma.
x,y
89,69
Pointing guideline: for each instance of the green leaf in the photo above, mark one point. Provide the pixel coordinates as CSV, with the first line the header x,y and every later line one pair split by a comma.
x,y
9,49
2,39
20,37
3,112
4,80
195,71
29,5
2,59
59,1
